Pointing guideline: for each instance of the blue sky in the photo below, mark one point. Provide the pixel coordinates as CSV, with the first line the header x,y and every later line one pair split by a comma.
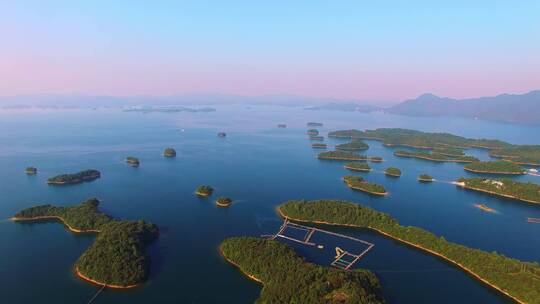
x,y
377,50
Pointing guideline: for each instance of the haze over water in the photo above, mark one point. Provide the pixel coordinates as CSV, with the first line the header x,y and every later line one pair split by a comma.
x,y
259,166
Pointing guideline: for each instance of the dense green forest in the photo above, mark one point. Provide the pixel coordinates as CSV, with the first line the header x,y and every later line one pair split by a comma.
x,y
117,257
288,278
341,155
319,146
358,183
133,161
499,167
529,192
520,279
425,178
433,156
169,152
354,145
358,166
74,178
346,134
204,190
392,171
523,154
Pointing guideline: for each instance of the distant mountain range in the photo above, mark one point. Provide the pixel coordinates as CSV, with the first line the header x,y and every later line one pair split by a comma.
x,y
510,108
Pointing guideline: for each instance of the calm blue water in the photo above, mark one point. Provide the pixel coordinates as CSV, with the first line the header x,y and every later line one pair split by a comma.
x,y
259,166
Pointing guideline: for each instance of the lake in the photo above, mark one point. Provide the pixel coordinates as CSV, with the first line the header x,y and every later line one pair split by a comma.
x,y
259,166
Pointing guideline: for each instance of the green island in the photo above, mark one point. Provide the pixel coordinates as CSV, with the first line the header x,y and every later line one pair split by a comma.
x,y
288,278
204,190
313,132
318,146
314,124
527,192
495,167
425,178
358,183
316,137
376,159
392,172
516,279
223,202
117,258
74,178
437,157
169,152
132,161
30,170
354,145
448,151
358,166
341,155
418,139
520,154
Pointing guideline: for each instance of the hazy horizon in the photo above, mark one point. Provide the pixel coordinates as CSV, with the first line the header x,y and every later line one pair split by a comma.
x,y
370,52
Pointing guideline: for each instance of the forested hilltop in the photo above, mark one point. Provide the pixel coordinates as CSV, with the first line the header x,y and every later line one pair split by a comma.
x,y
517,279
117,257
437,157
528,192
495,167
288,278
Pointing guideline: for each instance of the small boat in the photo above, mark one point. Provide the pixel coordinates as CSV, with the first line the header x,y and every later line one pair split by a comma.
x,y
533,220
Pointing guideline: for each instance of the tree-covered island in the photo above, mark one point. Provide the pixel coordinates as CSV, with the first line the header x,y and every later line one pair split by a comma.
x,y
519,154
222,134
74,178
30,170
313,132
169,152
223,202
449,151
392,172
354,145
204,190
358,166
424,178
288,278
117,258
517,279
316,137
437,157
314,124
132,161
341,155
358,183
495,167
319,146
282,126
527,192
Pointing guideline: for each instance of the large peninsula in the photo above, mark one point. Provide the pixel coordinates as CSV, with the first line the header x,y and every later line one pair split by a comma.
x,y
514,278
117,258
288,278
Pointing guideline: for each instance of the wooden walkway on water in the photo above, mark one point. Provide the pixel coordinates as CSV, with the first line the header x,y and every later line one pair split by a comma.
x,y
345,260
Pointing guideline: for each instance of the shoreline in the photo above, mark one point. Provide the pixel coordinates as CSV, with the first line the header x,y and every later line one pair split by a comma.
x,y
366,191
87,279
250,276
433,159
467,270
493,172
356,169
463,185
53,217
